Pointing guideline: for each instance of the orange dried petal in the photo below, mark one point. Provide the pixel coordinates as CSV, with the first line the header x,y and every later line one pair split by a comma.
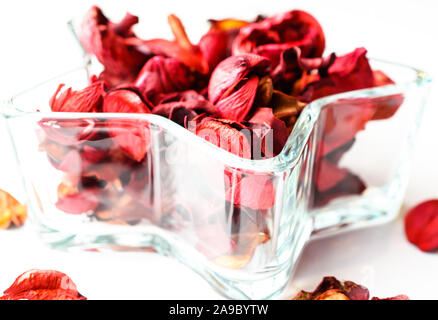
x,y
12,212
332,294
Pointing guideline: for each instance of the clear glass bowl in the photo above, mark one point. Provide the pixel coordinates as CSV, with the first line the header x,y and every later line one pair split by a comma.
x,y
240,223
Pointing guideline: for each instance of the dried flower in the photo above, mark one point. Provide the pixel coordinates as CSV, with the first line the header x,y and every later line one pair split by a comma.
x,y
108,41
331,288
348,72
12,213
42,285
270,37
233,85
242,88
86,100
162,75
421,225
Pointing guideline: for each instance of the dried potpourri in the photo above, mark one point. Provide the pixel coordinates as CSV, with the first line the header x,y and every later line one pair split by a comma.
x,y
42,285
12,212
421,225
331,288
241,87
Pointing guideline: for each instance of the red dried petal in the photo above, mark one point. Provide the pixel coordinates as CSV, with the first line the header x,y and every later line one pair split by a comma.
x,y
348,72
271,36
328,175
255,192
350,185
78,203
71,163
216,44
86,100
387,106
230,72
171,49
68,132
184,111
42,285
274,138
421,225
109,43
238,104
292,65
342,120
181,96
399,297
133,137
124,101
162,75
233,85
214,47
223,135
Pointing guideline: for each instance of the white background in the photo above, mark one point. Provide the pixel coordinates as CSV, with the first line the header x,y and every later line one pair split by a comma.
x,y
35,45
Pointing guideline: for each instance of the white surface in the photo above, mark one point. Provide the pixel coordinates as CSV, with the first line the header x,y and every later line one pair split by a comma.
x,y
36,45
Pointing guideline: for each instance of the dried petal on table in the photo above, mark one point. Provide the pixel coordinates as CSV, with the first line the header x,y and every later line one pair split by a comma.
x,y
42,285
332,289
12,212
421,225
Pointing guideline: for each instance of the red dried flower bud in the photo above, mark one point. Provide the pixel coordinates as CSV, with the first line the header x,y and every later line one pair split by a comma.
x,y
421,225
271,36
108,42
162,75
233,85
